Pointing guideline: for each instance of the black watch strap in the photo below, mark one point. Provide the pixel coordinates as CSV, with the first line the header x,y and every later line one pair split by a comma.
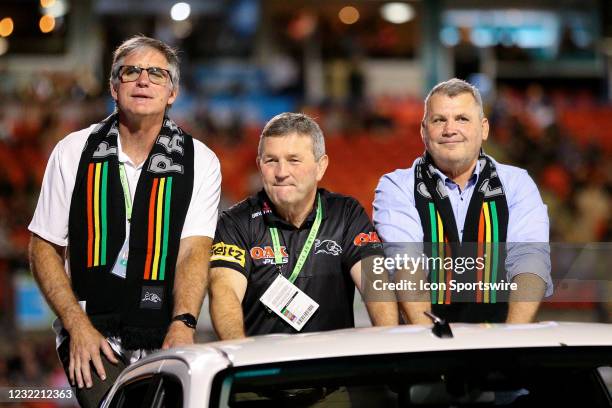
x,y
188,319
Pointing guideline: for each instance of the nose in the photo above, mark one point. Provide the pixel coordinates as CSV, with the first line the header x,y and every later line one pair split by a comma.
x,y
141,78
449,128
281,170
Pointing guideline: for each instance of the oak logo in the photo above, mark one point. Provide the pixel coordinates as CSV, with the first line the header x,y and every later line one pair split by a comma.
x,y
267,252
228,252
363,238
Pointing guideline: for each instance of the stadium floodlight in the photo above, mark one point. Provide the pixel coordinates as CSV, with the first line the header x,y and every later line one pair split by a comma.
x,y
55,9
397,13
348,15
6,27
180,11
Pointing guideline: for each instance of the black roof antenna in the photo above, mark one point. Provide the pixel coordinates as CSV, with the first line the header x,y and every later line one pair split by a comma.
x,y
440,328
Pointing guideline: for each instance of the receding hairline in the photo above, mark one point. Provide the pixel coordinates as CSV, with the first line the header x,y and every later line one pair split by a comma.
x,y
288,134
452,95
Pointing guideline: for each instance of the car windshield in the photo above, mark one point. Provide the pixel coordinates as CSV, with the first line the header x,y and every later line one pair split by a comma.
x,y
563,376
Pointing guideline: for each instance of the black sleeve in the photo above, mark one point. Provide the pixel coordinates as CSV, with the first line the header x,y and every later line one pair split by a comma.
x,y
360,239
230,246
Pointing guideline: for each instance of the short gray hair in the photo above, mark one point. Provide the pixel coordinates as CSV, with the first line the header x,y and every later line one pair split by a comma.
x,y
139,42
452,88
288,123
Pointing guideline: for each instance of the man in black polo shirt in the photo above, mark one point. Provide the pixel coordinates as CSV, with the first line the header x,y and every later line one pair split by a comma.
x,y
288,258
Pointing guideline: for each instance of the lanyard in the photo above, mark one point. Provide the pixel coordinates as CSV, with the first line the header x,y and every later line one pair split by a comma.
x,y
126,192
278,259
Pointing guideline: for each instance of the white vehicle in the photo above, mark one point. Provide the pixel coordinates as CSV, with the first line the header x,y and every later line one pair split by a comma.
x,y
541,364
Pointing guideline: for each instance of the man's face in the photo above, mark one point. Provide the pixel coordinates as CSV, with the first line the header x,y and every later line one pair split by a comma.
x,y
453,130
142,97
289,170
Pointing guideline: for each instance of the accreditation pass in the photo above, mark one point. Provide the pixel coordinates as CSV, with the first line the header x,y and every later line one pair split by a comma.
x,y
289,302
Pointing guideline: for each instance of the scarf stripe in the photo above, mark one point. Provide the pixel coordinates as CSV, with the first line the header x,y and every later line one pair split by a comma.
x,y
104,212
162,269
89,216
487,279
158,223
158,229
441,253
147,270
97,208
434,238
450,273
495,248
96,211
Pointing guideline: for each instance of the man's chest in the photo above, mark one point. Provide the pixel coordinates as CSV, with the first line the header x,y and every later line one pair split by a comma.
x,y
321,256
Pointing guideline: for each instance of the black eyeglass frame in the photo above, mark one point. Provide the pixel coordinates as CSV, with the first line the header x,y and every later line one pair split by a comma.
x,y
140,69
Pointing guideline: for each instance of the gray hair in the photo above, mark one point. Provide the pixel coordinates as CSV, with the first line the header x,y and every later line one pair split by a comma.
x,y
287,123
139,42
452,88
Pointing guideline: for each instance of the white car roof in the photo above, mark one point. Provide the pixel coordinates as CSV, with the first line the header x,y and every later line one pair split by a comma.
x,y
278,348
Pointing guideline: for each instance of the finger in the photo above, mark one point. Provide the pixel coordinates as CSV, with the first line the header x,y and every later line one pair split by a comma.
x,y
85,370
77,372
97,363
109,353
71,370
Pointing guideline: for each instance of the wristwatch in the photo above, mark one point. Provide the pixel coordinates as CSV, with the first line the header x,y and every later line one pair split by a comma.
x,y
187,318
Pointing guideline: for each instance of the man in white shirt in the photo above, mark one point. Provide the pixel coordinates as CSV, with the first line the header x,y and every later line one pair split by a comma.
x,y
123,228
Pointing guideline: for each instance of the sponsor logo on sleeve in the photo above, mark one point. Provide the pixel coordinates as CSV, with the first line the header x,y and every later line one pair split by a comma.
x,y
366,238
228,252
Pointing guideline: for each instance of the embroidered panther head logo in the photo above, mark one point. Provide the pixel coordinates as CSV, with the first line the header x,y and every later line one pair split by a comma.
x,y
327,246
151,297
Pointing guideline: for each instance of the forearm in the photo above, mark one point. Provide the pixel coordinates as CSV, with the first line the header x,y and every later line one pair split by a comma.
x,y
47,267
414,312
383,313
191,278
226,312
414,302
525,300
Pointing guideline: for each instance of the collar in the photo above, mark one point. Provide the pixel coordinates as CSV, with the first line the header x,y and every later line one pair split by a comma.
x,y
121,156
272,219
473,178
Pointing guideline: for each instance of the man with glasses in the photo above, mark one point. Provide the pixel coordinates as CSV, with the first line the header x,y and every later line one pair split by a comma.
x,y
130,206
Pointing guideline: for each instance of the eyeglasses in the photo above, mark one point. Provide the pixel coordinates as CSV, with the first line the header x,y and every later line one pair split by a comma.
x,y
131,73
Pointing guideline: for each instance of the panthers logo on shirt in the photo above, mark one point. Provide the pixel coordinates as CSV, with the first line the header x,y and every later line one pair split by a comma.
x,y
228,252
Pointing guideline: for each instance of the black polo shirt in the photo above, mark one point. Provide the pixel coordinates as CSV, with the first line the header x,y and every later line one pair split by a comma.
x,y
243,242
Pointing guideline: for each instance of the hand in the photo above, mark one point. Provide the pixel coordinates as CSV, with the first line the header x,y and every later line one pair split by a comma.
x,y
178,335
85,345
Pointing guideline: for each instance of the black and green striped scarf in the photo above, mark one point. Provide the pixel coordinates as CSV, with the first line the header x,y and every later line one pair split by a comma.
x,y
139,307
486,226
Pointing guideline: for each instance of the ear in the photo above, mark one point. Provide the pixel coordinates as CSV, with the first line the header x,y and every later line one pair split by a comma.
x,y
485,128
113,91
257,163
423,131
322,166
173,96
